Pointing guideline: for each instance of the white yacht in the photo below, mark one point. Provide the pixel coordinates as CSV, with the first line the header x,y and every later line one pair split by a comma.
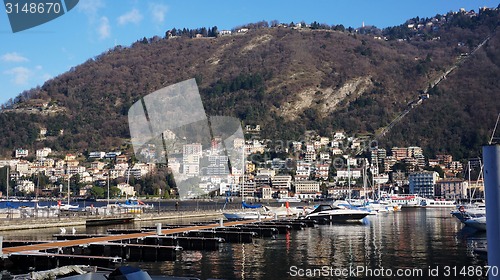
x,y
432,203
405,200
247,215
288,199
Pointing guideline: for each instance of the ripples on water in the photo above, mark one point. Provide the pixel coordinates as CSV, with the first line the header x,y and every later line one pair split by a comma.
x,y
412,238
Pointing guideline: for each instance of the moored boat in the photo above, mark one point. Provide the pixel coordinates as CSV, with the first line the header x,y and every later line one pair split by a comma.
x,y
431,203
405,200
133,205
253,214
336,213
285,211
288,199
247,215
477,223
68,207
464,213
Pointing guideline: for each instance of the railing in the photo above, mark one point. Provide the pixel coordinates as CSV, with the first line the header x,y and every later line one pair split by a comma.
x,y
57,214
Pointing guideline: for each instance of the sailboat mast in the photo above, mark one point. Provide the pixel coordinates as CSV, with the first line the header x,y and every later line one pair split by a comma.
x,y
480,177
364,182
378,187
8,179
108,184
468,178
373,184
349,180
243,177
68,188
37,186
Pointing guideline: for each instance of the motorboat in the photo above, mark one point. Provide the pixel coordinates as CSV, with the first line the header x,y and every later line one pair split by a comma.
x,y
477,223
432,203
247,215
288,199
336,213
390,206
133,205
68,207
356,205
256,212
464,213
405,200
376,207
285,211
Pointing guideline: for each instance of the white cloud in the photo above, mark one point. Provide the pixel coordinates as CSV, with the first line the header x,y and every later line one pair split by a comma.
x,y
21,75
104,29
133,16
90,7
158,11
46,77
14,57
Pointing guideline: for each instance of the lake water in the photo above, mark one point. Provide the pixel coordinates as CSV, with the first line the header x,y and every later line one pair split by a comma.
x,y
414,242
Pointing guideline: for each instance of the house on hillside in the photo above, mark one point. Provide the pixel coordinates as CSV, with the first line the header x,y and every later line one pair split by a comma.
x,y
21,153
225,32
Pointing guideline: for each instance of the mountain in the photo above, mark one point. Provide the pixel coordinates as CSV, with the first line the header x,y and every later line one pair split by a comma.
x,y
288,80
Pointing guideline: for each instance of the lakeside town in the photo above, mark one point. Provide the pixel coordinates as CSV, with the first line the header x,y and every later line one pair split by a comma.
x,y
316,167
384,184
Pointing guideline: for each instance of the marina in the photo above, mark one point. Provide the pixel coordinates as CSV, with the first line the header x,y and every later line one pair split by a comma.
x,y
412,238
338,141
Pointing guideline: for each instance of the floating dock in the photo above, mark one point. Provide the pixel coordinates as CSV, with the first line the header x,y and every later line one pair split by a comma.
x,y
145,244
108,221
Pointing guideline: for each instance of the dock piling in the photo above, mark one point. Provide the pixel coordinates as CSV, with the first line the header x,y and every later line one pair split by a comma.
x,y
491,157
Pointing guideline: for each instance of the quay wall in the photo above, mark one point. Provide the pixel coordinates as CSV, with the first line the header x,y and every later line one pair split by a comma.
x,y
78,219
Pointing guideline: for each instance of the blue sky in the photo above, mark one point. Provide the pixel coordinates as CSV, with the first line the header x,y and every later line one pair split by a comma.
x,y
30,57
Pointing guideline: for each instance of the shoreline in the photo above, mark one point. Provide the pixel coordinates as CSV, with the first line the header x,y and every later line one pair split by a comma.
x,y
41,223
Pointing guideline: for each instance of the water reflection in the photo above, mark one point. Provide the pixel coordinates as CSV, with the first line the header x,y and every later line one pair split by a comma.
x,y
412,238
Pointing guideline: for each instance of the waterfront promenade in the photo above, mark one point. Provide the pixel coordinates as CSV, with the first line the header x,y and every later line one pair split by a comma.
x,y
164,210
80,220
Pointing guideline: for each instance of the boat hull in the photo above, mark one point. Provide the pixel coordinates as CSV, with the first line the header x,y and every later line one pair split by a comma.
x,y
244,216
288,199
477,223
339,217
431,203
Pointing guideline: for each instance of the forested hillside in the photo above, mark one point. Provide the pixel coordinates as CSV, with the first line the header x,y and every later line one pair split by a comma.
x,y
286,79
